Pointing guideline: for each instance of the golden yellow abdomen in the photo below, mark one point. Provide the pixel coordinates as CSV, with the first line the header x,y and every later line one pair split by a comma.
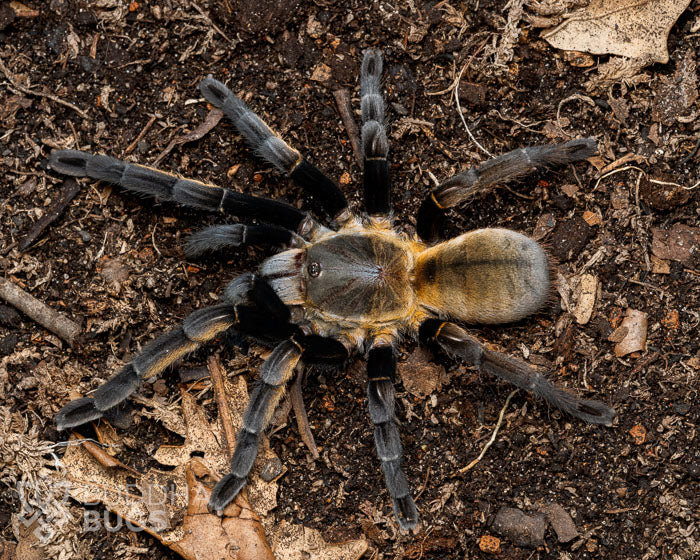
x,y
484,276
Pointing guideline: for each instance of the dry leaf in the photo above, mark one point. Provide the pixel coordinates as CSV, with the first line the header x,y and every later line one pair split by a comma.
x,y
322,73
680,243
292,542
634,333
172,505
675,95
237,535
638,433
632,28
419,375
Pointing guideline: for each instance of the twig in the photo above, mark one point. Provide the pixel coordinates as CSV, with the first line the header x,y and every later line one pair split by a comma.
x,y
342,100
571,98
209,20
28,91
69,191
493,436
300,414
225,417
131,147
211,120
461,116
48,318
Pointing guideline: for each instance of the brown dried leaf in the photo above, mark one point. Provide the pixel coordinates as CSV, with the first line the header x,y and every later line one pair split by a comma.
x,y
211,120
545,225
291,542
680,243
635,337
632,28
322,73
676,94
238,534
419,375
156,500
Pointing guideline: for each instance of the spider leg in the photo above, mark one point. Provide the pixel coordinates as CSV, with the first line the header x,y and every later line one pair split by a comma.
x,y
188,192
455,341
270,147
375,146
381,370
219,237
275,374
265,317
503,168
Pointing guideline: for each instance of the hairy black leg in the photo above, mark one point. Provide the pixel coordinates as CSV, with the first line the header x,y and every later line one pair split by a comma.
x,y
220,237
251,307
375,146
455,341
503,168
275,373
381,370
269,146
166,186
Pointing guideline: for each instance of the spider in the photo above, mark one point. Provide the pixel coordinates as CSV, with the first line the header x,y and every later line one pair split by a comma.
x,y
356,287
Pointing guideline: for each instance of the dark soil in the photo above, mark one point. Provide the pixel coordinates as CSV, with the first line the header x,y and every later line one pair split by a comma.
x,y
114,262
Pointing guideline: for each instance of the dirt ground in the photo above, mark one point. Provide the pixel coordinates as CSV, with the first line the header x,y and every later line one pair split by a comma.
x,y
114,263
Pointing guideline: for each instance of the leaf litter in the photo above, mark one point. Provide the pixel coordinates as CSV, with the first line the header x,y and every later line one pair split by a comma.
x,y
171,504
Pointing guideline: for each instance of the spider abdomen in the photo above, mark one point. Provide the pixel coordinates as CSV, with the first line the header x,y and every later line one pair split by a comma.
x,y
484,276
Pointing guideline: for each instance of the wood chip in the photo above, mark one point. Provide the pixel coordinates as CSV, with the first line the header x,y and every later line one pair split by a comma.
x,y
639,434
660,266
592,219
585,295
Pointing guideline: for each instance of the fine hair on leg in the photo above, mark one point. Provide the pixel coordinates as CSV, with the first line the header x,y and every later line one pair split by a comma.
x,y
166,186
381,370
375,145
506,167
273,149
455,341
275,373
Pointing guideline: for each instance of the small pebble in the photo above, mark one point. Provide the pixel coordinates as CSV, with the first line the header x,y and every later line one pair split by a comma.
x,y
519,528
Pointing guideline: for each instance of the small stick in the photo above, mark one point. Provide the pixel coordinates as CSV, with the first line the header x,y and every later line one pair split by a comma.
x,y
48,318
131,147
69,191
493,436
210,22
342,100
211,120
302,419
225,416
14,85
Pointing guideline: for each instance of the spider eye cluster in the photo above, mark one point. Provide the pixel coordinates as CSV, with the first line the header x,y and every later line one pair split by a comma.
x,y
314,269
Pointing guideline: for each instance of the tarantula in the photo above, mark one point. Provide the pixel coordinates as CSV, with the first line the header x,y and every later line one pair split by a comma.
x,y
357,287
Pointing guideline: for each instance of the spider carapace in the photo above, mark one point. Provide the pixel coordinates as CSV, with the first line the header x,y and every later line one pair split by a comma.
x,y
355,285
